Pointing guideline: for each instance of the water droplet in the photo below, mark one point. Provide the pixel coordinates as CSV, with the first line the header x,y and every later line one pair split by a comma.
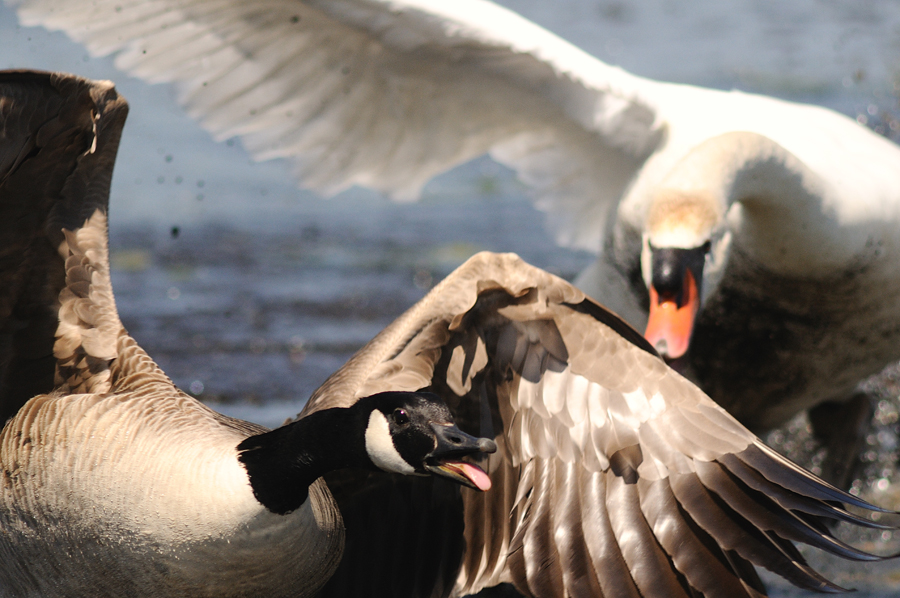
x,y
422,279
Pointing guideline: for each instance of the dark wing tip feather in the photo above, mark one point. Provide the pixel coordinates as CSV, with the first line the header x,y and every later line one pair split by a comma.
x,y
783,471
832,502
790,499
768,515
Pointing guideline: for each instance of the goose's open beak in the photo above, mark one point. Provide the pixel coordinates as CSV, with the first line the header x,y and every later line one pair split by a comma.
x,y
448,457
670,325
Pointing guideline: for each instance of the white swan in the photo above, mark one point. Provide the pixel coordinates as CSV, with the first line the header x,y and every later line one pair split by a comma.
x,y
796,297
613,475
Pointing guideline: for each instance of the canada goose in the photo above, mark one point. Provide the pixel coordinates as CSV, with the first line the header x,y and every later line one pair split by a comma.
x,y
771,225
118,484
613,475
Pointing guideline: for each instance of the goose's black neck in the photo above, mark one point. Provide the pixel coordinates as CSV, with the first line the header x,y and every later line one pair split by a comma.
x,y
284,462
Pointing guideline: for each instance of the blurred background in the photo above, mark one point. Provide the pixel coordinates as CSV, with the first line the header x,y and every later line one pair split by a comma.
x,y
249,291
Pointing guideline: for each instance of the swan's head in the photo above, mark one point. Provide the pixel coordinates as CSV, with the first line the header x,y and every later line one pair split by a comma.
x,y
414,433
682,236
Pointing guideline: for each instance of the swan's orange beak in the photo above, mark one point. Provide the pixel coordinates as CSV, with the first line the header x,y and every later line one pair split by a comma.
x,y
669,326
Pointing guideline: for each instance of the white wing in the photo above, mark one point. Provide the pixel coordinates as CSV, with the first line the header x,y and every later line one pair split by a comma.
x,y
388,94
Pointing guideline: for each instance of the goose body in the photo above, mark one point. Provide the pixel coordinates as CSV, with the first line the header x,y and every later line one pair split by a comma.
x,y
799,204
109,463
153,508
115,482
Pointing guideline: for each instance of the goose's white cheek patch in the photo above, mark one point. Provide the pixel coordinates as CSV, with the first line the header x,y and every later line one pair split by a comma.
x,y
380,446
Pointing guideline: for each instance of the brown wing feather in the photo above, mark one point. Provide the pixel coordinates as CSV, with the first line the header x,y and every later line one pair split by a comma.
x,y
59,141
94,352
615,476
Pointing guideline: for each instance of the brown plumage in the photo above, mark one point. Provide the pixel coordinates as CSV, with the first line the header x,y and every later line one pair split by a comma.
x,y
614,476
116,483
99,494
55,170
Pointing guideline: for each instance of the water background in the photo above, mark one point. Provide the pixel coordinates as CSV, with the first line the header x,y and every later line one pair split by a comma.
x,y
249,292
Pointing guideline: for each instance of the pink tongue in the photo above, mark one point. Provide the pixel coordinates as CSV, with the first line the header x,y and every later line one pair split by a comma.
x,y
475,475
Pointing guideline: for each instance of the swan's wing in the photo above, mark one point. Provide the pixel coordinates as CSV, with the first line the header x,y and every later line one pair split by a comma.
x,y
58,140
615,475
387,94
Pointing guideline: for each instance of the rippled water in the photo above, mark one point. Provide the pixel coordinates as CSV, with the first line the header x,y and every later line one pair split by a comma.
x,y
254,318
249,292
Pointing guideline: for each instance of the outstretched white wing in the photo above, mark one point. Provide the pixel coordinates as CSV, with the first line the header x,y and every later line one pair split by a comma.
x,y
388,94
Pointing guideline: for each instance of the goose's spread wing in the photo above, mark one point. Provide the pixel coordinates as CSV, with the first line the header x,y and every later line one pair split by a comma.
x,y
615,476
58,142
387,94
60,135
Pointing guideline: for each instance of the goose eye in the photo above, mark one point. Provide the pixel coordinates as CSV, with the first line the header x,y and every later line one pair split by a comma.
x,y
400,417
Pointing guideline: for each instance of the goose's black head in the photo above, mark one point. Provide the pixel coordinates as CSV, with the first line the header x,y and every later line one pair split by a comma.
x,y
403,432
414,433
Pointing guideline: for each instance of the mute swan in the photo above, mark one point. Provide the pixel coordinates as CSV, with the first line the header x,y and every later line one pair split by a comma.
x,y
117,483
612,475
766,231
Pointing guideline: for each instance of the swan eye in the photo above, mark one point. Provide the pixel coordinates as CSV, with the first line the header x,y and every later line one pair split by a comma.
x,y
400,417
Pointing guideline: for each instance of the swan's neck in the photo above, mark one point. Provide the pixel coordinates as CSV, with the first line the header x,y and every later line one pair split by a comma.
x,y
694,198
282,463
